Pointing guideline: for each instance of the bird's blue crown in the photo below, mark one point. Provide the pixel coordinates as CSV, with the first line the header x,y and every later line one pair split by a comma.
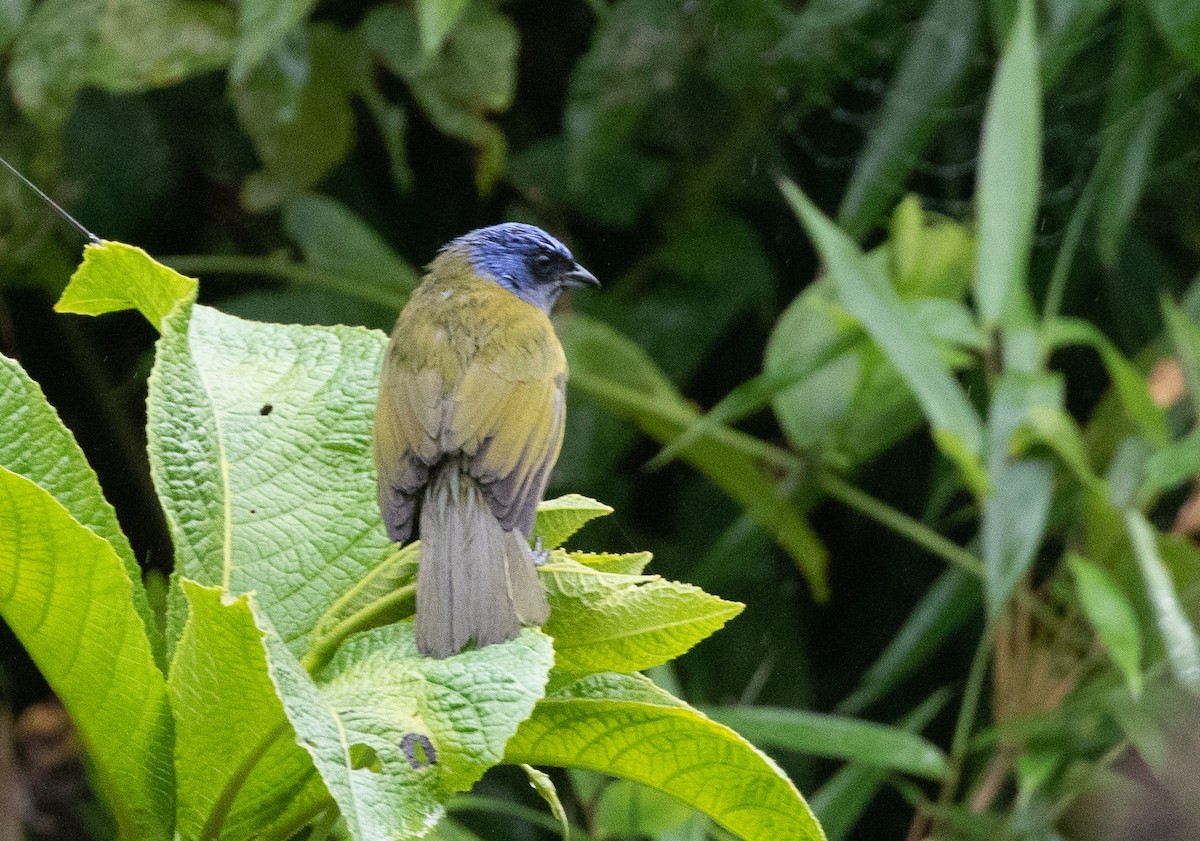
x,y
523,259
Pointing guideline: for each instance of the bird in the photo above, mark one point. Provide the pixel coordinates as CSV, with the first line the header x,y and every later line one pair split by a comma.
x,y
468,425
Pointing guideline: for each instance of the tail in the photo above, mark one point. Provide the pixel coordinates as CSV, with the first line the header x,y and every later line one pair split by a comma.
x,y
475,580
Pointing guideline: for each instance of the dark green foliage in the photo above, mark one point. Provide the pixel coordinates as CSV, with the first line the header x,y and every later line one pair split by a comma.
x,y
917,442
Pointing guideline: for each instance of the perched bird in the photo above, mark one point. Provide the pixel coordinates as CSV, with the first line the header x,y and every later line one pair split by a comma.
x,y
469,422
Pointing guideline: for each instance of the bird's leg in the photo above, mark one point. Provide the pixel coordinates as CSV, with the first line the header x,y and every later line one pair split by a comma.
x,y
540,555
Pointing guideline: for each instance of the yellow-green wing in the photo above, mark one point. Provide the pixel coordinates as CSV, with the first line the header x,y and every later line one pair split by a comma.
x,y
477,373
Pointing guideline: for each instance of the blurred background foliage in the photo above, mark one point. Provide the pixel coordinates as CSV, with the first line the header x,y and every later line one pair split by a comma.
x,y
306,158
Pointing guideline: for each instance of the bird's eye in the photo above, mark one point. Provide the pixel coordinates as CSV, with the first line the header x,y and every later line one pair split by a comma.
x,y
543,260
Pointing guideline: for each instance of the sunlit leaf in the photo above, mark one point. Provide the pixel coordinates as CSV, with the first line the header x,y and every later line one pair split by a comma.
x,y
42,450
626,726
115,276
603,621
249,765
66,595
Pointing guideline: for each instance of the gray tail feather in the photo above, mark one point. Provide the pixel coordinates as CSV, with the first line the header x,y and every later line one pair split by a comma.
x,y
475,580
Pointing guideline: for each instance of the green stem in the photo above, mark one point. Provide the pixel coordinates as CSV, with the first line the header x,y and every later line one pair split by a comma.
x,y
639,406
899,522
303,819
478,803
322,649
201,264
224,802
966,718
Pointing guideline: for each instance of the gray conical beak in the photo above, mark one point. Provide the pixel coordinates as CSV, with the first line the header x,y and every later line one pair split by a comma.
x,y
579,276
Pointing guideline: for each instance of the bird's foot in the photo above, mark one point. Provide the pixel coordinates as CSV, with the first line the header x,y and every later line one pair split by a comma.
x,y
540,555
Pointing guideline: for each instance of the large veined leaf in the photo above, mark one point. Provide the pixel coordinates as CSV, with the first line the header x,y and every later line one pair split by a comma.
x,y
66,595
626,726
41,449
393,734
260,440
603,621
236,756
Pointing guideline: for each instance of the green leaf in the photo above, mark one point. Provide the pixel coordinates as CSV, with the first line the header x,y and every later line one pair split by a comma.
x,y
1016,512
236,756
938,54
835,737
603,621
1112,616
558,519
472,77
121,46
435,18
1134,117
845,796
394,734
43,450
260,447
1009,175
295,105
1185,341
66,595
625,808
626,726
1130,386
114,276
12,17
631,563
541,783
262,25
943,609
1178,634
872,300
1173,465
386,594
619,375
334,239
1178,22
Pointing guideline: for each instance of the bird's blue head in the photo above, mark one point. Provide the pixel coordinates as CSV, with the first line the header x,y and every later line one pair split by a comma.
x,y
525,260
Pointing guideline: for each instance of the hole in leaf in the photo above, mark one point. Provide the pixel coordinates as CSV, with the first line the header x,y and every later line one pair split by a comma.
x,y
418,750
266,409
364,756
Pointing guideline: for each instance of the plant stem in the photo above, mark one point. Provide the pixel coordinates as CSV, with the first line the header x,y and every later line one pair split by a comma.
x,y
966,717
322,649
899,522
239,264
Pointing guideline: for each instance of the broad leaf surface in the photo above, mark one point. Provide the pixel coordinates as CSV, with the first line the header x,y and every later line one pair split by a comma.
x,y
42,450
393,734
606,622
260,447
66,595
626,726
236,755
